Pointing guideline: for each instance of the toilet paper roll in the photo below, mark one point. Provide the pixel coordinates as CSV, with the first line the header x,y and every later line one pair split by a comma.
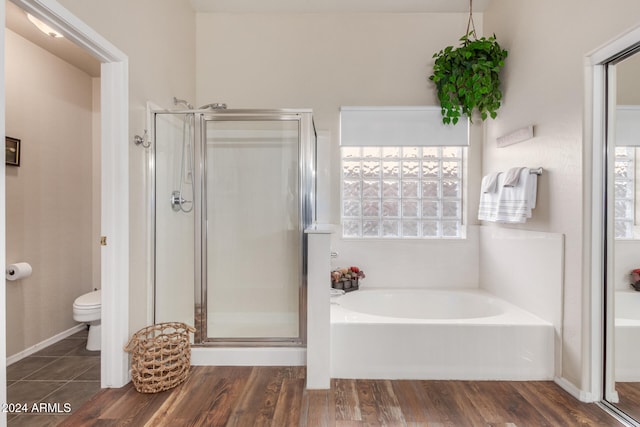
x,y
19,270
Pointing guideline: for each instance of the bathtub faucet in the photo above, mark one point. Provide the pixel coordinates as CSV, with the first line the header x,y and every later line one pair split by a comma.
x,y
336,292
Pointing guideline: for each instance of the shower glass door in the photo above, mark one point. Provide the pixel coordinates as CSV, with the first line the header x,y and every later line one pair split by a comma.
x,y
233,194
253,221
174,234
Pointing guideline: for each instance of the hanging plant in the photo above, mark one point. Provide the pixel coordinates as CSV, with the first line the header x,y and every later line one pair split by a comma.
x,y
468,77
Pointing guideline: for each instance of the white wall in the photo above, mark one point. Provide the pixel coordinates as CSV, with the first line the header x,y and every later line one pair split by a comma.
x,y
324,61
320,61
627,82
50,196
543,85
158,37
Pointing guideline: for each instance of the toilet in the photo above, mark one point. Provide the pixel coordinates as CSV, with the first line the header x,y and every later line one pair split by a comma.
x,y
87,308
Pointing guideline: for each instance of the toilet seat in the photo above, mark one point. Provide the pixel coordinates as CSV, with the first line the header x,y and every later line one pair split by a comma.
x,y
89,300
88,307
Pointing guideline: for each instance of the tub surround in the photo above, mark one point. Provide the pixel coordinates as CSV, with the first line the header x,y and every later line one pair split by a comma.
x,y
521,269
318,313
627,335
627,318
525,268
448,263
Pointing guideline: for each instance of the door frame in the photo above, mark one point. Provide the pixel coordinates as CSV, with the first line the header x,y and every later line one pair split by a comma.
x,y
114,186
597,338
305,208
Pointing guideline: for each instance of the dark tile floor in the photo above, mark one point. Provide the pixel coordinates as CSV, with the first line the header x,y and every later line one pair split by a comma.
x,y
53,382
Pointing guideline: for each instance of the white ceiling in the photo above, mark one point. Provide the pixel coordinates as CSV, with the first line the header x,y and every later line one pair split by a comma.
x,y
346,6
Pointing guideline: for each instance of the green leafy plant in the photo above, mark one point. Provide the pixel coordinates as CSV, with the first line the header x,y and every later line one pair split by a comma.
x,y
468,78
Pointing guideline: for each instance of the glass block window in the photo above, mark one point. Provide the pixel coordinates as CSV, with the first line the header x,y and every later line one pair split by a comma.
x,y
402,192
624,177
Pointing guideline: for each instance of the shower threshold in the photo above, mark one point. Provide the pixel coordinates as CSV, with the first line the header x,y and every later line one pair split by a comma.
x,y
248,356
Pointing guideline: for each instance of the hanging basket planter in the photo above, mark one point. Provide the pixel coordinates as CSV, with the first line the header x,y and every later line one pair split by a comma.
x,y
467,78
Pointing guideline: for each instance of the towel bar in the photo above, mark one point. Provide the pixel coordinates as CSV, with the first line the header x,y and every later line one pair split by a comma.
x,y
537,171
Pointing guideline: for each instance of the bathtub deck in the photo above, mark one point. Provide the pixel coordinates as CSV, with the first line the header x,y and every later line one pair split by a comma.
x,y
247,396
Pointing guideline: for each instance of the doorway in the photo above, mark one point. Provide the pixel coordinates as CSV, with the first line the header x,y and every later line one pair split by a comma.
x,y
613,234
114,166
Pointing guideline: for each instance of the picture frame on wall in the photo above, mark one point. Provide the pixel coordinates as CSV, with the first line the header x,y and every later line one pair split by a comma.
x,y
12,151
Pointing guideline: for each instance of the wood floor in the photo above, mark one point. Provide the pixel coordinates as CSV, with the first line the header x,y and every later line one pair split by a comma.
x,y
629,394
275,396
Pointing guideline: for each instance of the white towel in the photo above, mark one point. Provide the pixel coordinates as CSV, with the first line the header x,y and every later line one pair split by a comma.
x,y
489,197
510,204
515,203
490,182
533,189
512,177
488,207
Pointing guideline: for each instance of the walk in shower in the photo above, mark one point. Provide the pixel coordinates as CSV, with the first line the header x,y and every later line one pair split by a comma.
x,y
233,191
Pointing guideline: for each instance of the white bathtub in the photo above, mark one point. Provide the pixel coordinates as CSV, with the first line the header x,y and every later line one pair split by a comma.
x,y
437,334
627,335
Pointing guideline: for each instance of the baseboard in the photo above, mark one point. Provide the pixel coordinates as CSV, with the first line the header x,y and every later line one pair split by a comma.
x,y
35,348
581,395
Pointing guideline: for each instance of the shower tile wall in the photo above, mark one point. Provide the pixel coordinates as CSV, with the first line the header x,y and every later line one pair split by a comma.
x,y
64,375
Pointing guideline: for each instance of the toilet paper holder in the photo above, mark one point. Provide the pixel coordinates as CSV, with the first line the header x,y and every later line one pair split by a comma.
x,y
18,271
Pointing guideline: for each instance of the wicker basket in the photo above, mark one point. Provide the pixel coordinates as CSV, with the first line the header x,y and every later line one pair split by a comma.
x,y
160,356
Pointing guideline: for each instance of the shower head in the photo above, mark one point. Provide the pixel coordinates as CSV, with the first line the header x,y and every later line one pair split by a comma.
x,y
214,106
177,101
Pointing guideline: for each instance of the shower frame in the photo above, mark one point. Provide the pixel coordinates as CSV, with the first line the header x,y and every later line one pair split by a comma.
x,y
306,206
